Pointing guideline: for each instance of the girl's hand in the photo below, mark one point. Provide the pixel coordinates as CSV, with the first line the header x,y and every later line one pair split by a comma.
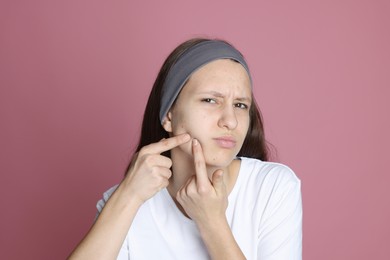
x,y
203,200
150,171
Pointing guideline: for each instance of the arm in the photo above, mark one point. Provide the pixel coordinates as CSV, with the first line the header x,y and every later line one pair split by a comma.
x,y
148,174
206,202
219,241
104,239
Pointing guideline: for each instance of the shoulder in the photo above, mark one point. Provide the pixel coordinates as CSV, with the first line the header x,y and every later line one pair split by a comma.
x,y
267,179
273,188
255,169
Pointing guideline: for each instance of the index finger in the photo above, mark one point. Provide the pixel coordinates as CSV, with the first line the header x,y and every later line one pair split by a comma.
x,y
167,144
200,165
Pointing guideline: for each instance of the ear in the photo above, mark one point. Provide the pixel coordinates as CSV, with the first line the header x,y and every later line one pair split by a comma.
x,y
167,122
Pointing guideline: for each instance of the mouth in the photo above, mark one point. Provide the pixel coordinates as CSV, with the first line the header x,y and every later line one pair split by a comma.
x,y
225,142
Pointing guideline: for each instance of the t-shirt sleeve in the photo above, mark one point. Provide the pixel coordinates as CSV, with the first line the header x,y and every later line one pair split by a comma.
x,y
280,229
101,203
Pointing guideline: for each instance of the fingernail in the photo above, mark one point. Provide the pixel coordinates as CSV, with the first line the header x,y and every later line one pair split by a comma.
x,y
195,142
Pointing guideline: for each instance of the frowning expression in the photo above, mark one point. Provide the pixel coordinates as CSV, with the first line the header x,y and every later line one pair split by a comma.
x,y
213,107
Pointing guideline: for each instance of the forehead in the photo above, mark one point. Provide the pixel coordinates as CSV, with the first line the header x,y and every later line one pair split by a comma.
x,y
223,75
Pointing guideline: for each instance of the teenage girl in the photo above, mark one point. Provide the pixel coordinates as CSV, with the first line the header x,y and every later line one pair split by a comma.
x,y
200,185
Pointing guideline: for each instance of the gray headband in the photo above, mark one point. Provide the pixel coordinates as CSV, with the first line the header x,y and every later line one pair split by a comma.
x,y
191,60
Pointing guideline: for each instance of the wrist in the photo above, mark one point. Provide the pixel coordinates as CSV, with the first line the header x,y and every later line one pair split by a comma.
x,y
125,199
213,227
219,240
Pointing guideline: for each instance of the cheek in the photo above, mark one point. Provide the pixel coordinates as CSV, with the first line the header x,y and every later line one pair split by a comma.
x,y
244,125
193,130
193,124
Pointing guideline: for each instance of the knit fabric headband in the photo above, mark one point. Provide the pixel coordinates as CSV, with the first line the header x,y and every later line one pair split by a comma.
x,y
190,61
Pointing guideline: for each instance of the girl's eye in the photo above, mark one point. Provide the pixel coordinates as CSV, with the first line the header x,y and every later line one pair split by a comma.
x,y
209,100
241,105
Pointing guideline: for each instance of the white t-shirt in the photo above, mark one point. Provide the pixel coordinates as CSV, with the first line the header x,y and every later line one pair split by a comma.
x,y
264,214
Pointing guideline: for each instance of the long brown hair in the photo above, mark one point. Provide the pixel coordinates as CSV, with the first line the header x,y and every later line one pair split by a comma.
x,y
254,146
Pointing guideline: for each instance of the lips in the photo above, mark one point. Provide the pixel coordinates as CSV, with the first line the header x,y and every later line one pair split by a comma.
x,y
227,142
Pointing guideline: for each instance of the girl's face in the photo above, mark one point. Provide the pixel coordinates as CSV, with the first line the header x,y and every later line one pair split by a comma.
x,y
213,107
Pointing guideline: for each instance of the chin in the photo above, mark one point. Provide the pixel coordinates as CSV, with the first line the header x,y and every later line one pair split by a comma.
x,y
220,160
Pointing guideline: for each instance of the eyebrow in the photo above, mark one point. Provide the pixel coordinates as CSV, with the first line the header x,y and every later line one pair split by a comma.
x,y
220,95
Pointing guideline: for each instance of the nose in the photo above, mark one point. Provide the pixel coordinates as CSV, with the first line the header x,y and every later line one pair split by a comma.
x,y
228,118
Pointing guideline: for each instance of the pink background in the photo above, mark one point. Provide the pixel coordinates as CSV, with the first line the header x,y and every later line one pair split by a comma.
x,y
75,76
